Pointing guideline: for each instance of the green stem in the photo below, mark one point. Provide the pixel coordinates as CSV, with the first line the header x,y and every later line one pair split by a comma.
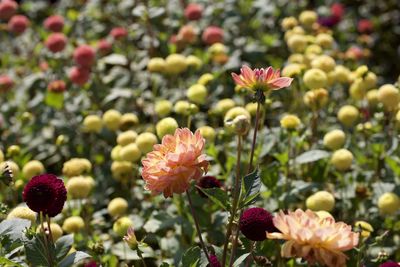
x,y
253,145
196,223
46,244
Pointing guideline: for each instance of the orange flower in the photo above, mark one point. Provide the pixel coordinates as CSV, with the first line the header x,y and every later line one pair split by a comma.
x,y
315,239
175,162
263,79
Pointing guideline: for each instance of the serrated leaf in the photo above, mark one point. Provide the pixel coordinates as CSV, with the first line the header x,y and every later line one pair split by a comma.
x,y
218,196
191,257
74,258
251,183
13,228
63,246
240,260
312,156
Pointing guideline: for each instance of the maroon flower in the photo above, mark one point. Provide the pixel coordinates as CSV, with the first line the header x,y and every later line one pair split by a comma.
x,y
79,75
255,223
193,11
91,264
390,264
214,261
56,42
54,23
208,182
6,83
365,26
8,8
45,193
212,35
337,10
118,33
57,86
18,24
84,56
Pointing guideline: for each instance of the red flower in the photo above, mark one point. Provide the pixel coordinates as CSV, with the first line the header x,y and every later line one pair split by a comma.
x,y
104,47
56,42
193,11
208,181
212,35
57,86
6,83
255,223
54,23
118,33
8,8
390,264
45,193
187,34
337,10
84,56
18,24
365,26
79,75
214,261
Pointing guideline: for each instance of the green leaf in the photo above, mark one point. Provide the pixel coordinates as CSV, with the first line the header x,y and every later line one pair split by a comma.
x,y
251,186
55,100
7,262
74,258
240,260
218,196
63,246
311,156
270,175
35,251
191,257
13,228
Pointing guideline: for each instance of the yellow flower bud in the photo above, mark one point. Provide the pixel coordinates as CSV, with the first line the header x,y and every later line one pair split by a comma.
x,y
223,106
389,203
166,126
56,230
297,43
290,122
342,159
112,119
324,40
175,64
334,139
292,70
324,62
389,96
316,99
117,207
146,141
236,111
126,137
121,225
197,93
22,213
92,123
308,17
122,170
288,23
163,108
193,61
321,200
366,228
130,152
208,133
205,79
73,224
182,107
348,115
32,168
315,78
11,165
79,187
128,120
156,64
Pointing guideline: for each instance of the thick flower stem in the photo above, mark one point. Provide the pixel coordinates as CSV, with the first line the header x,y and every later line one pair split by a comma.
x,y
46,243
50,233
196,223
253,145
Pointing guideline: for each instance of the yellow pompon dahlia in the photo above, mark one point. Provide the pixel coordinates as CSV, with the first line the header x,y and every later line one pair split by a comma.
x,y
315,239
170,167
261,79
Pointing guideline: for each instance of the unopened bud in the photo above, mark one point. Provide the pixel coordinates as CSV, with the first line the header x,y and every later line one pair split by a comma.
x,y
130,238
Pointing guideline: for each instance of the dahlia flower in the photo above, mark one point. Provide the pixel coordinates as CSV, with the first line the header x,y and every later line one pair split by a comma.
x,y
315,239
263,79
170,167
45,193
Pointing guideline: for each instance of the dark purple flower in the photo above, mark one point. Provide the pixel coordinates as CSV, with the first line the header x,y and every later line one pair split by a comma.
x,y
329,21
208,182
214,261
390,264
255,223
45,193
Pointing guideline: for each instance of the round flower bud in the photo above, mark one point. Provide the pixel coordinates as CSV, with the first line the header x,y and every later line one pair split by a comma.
x,y
224,105
166,126
324,62
126,138
315,78
8,8
292,70
193,11
156,64
163,108
255,223
357,90
193,61
73,224
115,152
240,124
122,170
56,42
79,76
22,213
366,228
296,58
13,150
10,165
313,49
128,120
6,83
76,167
112,119
324,40
197,93
84,56
205,79
252,108
118,33
308,17
18,24
175,64
297,43
290,122
208,133
146,141
54,23
56,230
389,203
182,107
117,207
342,159
92,123
79,187
342,74
236,111
130,152
32,168
321,200
288,23
121,225
389,96
334,139
212,35
316,99
347,115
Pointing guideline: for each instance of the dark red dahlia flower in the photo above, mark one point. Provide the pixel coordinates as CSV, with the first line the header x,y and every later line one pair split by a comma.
x,y
390,264
255,222
214,261
208,182
45,193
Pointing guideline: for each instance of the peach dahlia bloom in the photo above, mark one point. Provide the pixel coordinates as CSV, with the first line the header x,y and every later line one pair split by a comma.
x,y
263,79
170,167
315,239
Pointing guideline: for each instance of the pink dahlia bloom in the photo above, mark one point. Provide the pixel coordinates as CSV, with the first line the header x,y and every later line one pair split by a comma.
x,y
314,239
264,79
170,167
8,8
84,56
54,23
18,24
56,42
